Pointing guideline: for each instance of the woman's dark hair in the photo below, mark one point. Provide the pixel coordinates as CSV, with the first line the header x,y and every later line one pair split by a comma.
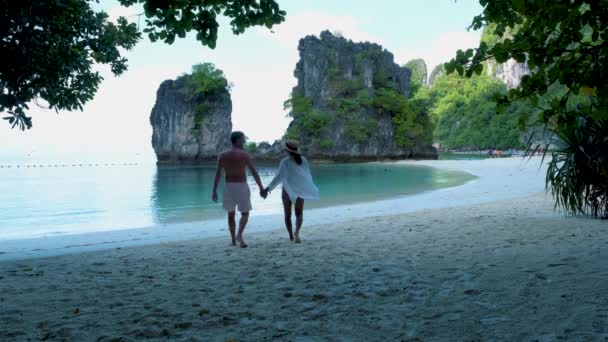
x,y
296,157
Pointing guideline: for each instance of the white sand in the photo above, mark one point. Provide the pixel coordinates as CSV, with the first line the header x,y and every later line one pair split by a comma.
x,y
499,179
509,270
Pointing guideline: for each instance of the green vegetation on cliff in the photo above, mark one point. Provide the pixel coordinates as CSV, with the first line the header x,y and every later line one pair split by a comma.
x,y
357,107
204,80
310,121
463,113
409,117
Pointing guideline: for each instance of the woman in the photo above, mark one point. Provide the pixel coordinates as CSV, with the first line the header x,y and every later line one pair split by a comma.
x,y
294,174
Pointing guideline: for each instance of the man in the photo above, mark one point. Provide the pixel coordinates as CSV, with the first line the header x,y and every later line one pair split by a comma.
x,y
236,191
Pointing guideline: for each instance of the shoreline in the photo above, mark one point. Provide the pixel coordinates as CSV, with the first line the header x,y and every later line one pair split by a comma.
x,y
320,159
498,179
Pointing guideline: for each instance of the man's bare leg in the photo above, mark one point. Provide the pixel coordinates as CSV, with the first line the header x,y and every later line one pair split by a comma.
x,y
287,212
299,218
242,224
232,226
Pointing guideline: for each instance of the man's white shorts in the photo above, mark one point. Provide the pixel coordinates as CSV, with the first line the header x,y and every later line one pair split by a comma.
x,y
236,195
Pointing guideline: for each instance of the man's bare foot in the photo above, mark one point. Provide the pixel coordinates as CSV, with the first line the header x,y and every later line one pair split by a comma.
x,y
291,237
297,239
233,243
241,242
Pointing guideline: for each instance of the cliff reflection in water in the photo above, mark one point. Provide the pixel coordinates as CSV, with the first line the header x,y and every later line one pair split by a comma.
x,y
183,194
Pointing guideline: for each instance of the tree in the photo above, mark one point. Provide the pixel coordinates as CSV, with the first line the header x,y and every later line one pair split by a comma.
x,y
206,78
251,147
565,43
464,116
49,47
578,172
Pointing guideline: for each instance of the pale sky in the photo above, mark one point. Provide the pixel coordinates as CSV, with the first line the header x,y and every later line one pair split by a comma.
x,y
260,63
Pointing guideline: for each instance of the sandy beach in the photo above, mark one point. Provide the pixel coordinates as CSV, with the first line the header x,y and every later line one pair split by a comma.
x,y
508,269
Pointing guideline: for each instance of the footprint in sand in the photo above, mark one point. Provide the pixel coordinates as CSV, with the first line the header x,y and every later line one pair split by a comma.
x,y
486,305
417,293
493,320
446,288
183,325
318,297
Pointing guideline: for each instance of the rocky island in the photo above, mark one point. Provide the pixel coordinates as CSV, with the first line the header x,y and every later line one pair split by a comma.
x,y
352,103
191,119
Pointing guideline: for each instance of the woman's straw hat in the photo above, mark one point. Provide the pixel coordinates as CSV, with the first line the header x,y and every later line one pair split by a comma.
x,y
291,146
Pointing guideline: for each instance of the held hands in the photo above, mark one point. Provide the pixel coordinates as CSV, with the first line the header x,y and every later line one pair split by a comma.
x,y
264,193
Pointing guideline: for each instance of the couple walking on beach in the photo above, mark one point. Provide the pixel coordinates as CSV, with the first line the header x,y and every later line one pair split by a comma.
x,y
293,173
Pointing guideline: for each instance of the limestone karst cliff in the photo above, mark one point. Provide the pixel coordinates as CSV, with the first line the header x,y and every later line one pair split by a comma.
x,y
437,72
510,72
189,127
350,103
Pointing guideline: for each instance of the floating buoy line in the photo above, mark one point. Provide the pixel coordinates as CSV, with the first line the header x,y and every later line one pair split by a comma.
x,y
66,165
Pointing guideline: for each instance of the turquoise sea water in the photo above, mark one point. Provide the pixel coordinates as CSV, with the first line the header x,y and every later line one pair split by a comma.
x,y
44,201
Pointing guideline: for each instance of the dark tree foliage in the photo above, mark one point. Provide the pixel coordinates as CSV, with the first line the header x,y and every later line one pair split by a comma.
x,y
169,19
48,50
565,43
49,47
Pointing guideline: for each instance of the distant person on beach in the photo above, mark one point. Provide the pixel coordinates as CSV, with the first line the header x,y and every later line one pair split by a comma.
x,y
294,174
236,192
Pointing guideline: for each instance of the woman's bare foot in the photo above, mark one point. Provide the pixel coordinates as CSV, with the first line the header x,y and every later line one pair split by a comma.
x,y
297,239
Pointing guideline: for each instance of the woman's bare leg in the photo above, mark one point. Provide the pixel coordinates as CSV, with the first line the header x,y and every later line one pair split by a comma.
x,y
299,218
287,212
